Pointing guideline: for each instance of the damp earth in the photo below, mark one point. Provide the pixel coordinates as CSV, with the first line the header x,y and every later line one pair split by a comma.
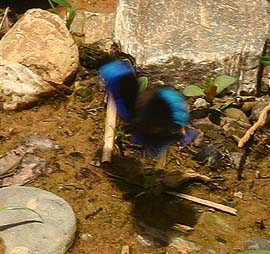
x,y
113,211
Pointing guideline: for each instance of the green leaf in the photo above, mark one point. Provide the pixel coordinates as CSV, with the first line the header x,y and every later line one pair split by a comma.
x,y
63,3
193,90
12,208
70,18
143,83
51,4
159,173
265,60
223,82
221,106
149,182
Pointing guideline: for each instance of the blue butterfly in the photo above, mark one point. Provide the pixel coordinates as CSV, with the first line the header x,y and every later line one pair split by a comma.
x,y
155,116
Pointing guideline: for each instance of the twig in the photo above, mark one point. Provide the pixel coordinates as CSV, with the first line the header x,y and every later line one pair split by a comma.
x,y
255,126
182,228
4,26
217,206
162,159
110,123
125,249
244,157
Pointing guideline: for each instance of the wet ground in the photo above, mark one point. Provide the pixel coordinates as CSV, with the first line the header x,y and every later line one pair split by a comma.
x,y
109,211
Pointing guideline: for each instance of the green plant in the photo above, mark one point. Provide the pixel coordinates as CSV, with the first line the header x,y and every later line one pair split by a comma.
x,y
210,88
69,6
152,182
13,208
121,138
265,60
143,83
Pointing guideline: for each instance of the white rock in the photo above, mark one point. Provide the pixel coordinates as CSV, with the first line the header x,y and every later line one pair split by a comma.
x,y
19,86
206,30
41,41
188,41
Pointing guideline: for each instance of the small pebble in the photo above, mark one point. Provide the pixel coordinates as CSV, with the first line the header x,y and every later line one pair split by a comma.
x,y
86,236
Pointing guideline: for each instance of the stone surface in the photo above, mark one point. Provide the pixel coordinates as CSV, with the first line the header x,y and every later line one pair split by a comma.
x,y
215,222
93,26
257,243
211,37
20,87
41,41
20,165
53,236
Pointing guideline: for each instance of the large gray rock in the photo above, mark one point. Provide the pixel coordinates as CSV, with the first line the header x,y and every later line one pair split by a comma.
x,y
198,37
40,40
53,236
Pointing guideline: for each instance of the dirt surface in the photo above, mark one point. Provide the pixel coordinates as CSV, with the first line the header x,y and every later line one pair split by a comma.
x,y
109,211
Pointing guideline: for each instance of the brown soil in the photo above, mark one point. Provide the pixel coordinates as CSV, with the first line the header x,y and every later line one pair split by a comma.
x,y
109,213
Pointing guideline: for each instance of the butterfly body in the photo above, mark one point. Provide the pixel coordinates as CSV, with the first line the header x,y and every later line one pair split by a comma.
x,y
155,116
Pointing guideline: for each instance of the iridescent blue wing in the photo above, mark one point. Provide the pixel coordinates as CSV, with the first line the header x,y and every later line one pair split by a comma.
x,y
121,82
160,115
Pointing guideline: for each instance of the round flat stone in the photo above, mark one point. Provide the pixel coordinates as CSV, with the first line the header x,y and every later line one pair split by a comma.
x,y
23,230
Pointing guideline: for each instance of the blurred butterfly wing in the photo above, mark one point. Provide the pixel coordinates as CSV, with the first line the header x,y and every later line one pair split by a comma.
x,y
120,81
160,110
127,92
159,116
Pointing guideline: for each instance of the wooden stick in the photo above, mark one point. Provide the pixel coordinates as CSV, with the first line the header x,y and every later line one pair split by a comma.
x,y
217,206
125,249
3,25
261,121
110,123
162,159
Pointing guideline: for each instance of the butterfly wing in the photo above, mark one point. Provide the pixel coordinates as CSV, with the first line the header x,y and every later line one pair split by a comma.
x,y
160,115
120,80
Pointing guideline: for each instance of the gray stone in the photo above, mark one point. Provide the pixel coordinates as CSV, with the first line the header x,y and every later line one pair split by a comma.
x,y
20,166
215,221
257,243
194,39
41,41
40,143
184,245
28,170
20,87
200,103
22,230
257,110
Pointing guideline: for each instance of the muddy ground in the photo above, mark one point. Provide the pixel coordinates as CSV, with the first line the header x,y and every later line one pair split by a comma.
x,y
108,210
